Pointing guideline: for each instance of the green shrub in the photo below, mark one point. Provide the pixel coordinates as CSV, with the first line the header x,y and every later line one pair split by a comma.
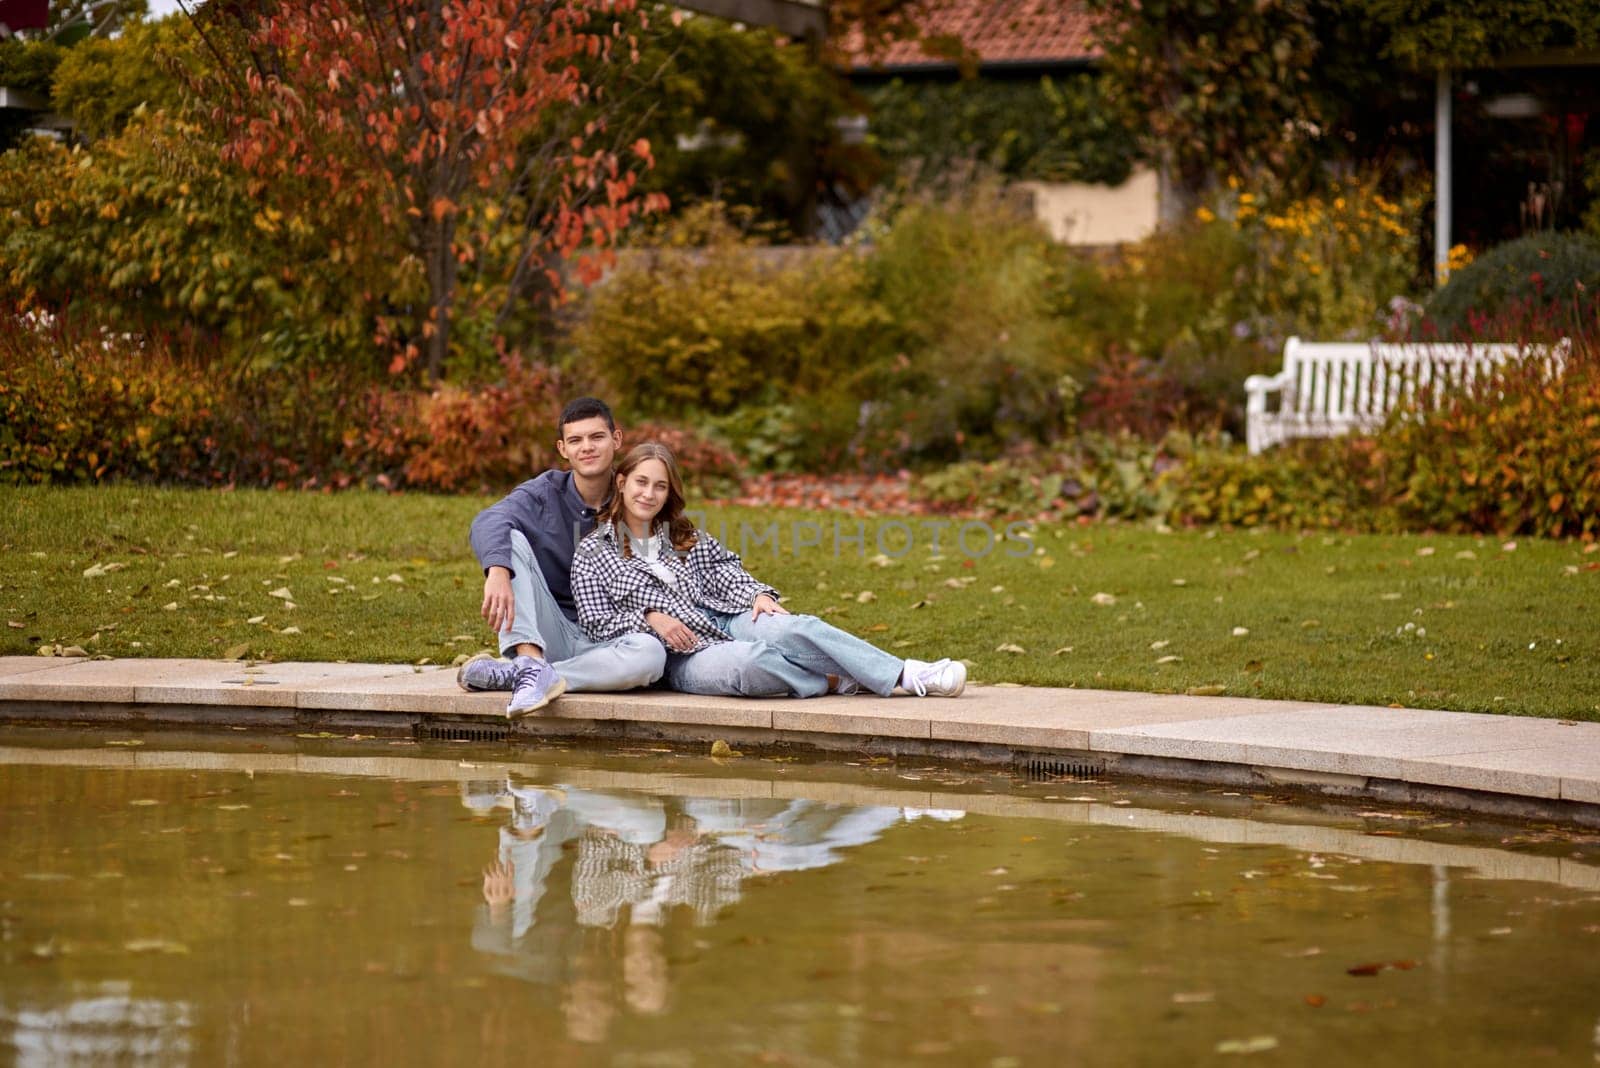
x,y
151,229
1305,485
686,329
1544,285
1096,475
965,277
29,65
93,407
1203,304
1515,453
786,436
1056,130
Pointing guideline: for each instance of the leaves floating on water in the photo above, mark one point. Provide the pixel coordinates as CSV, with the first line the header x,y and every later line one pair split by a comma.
x,y
1253,1044
720,748
1367,970
154,945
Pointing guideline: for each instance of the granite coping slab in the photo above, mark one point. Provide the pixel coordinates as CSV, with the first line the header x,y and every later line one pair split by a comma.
x,y
1342,739
11,666
1535,758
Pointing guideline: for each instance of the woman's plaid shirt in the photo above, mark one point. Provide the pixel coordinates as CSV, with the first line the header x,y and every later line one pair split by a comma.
x,y
613,593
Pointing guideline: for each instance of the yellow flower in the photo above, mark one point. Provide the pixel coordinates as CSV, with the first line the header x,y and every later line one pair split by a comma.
x,y
1205,214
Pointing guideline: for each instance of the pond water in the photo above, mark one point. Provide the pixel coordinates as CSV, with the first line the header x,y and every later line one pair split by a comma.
x,y
246,900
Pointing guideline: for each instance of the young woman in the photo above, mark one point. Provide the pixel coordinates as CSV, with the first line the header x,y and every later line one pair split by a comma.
x,y
646,569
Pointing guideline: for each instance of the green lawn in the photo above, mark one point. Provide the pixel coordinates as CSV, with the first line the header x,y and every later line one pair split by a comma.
x,y
1441,622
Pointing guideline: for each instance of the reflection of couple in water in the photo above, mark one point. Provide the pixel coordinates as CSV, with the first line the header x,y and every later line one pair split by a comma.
x,y
636,861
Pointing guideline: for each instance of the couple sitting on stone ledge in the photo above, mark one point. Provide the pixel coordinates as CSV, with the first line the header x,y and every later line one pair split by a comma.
x,y
594,579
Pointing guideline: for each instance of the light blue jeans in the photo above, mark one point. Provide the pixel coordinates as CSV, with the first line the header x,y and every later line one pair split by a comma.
x,y
620,664
782,654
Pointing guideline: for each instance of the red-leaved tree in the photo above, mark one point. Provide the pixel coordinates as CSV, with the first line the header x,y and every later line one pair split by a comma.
x,y
455,132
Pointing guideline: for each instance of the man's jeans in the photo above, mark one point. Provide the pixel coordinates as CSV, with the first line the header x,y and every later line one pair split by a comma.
x,y
782,654
620,664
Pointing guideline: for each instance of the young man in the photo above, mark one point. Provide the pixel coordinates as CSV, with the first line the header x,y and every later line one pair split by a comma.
x,y
525,543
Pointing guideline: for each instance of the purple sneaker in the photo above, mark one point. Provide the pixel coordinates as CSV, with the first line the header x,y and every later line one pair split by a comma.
x,y
486,672
534,684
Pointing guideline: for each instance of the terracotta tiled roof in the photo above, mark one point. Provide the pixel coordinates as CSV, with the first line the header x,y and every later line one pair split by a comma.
x,y
999,31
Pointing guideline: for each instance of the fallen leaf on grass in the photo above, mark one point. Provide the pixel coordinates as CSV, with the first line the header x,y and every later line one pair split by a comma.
x,y
866,597
1215,690
1170,659
1009,647
1241,632
103,569
1063,649
1316,1001
290,630
1103,600
878,628
1158,646
282,593
256,619
154,945
236,652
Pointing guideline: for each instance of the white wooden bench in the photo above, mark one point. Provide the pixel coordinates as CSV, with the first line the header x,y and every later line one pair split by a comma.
x,y
1326,389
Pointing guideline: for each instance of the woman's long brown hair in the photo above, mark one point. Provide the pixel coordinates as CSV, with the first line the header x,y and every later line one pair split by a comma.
x,y
680,531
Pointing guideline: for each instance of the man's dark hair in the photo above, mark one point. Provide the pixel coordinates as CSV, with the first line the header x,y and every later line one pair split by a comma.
x,y
585,408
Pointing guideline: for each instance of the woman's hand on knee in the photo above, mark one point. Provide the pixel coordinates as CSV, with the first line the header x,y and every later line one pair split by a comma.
x,y
677,637
765,602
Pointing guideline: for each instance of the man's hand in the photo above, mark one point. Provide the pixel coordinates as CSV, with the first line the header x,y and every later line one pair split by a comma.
x,y
765,602
499,885
677,636
499,607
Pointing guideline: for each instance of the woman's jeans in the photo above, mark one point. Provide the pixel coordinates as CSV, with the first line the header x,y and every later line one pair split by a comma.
x,y
620,664
776,655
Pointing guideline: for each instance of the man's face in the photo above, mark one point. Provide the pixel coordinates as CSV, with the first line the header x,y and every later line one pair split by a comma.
x,y
589,446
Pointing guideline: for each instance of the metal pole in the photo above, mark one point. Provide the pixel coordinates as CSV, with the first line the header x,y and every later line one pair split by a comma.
x,y
1441,179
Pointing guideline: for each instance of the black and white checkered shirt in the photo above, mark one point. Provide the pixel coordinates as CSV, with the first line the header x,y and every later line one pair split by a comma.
x,y
614,592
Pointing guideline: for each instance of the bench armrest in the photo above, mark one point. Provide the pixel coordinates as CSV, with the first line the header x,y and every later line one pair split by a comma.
x,y
1256,388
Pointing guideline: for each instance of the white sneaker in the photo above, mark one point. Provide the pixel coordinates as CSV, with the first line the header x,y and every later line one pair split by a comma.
x,y
942,678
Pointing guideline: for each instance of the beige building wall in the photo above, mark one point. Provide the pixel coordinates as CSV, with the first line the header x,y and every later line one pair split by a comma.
x,y
1077,213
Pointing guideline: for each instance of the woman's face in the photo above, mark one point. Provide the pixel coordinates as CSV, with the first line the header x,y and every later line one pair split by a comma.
x,y
644,491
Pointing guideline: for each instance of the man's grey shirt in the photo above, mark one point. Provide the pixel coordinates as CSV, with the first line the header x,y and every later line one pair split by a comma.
x,y
552,516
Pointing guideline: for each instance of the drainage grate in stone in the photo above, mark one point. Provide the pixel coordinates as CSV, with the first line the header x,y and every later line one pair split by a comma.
x,y
460,732
1041,769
